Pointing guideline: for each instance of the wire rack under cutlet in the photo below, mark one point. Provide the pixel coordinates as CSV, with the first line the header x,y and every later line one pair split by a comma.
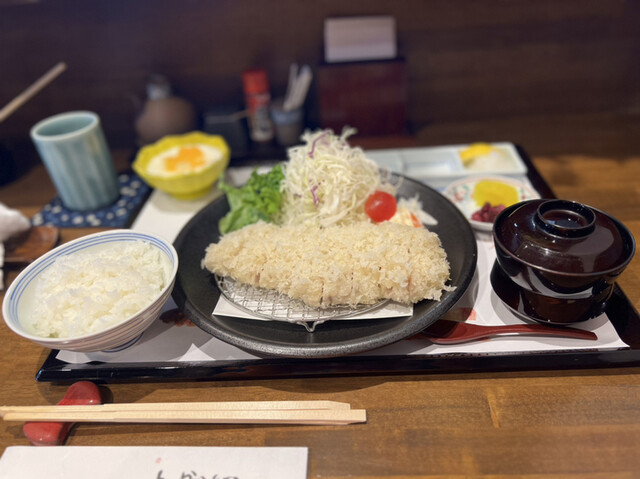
x,y
268,304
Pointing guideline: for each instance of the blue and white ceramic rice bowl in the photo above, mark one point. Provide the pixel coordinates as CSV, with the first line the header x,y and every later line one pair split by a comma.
x,y
20,299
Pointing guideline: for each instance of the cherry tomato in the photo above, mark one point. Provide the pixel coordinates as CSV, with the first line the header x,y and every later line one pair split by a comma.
x,y
380,206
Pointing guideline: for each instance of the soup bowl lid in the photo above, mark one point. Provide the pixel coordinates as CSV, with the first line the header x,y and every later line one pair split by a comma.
x,y
564,237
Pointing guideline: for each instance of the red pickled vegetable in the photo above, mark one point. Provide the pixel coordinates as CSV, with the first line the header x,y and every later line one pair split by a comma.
x,y
488,213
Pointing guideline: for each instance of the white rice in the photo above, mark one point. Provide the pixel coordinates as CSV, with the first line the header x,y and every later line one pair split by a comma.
x,y
89,291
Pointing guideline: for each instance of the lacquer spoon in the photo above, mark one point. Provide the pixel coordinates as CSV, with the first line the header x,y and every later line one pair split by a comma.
x,y
453,332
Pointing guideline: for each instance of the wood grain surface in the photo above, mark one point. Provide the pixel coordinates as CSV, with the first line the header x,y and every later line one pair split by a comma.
x,y
546,424
466,60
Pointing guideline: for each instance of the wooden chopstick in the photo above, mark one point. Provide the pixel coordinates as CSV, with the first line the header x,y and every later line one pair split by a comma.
x,y
184,406
35,87
285,416
259,412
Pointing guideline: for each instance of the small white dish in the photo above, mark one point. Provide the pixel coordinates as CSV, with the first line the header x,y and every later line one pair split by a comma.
x,y
460,193
438,166
19,298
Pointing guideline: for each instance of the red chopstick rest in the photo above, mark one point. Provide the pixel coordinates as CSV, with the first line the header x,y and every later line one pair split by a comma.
x,y
55,433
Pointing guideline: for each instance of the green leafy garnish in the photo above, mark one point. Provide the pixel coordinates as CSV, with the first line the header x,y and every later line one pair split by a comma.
x,y
259,199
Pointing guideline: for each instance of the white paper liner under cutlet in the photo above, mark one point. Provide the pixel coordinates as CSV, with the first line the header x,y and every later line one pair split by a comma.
x,y
274,306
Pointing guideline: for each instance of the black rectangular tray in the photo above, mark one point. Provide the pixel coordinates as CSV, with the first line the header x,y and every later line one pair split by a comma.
x,y
620,311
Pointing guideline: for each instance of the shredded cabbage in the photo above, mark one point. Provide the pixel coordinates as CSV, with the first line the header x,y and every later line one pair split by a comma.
x,y
327,181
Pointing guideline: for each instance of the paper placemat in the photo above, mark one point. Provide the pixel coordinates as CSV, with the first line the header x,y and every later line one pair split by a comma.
x,y
168,341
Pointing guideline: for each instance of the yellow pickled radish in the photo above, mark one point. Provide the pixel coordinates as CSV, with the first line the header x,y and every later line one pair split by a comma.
x,y
495,193
474,150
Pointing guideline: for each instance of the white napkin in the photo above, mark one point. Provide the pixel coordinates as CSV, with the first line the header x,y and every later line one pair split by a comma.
x,y
12,222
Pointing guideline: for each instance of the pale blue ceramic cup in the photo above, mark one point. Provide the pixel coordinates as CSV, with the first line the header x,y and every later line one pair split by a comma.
x,y
74,151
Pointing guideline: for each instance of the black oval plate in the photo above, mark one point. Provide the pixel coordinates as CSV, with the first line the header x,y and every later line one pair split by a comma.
x,y
196,292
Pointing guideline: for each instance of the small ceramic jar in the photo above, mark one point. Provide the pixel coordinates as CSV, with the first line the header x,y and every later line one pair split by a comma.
x,y
163,113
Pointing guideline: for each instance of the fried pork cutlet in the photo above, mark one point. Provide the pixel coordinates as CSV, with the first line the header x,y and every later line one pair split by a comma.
x,y
361,263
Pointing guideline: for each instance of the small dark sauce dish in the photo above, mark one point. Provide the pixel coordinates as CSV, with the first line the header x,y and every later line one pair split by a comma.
x,y
557,260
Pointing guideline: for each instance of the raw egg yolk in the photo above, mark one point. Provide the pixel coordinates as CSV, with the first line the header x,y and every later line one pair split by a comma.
x,y
188,158
495,193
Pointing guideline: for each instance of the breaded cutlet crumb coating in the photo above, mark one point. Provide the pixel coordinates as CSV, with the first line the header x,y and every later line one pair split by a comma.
x,y
360,263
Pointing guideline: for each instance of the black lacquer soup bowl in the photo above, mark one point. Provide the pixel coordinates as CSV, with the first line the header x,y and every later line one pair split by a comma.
x,y
557,260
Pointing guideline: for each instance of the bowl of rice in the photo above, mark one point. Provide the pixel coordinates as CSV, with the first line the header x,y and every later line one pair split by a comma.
x,y
96,293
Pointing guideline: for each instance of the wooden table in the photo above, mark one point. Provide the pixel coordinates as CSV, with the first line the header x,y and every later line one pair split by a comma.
x,y
567,423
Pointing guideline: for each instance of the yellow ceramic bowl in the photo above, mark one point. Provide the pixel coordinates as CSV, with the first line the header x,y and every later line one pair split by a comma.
x,y
186,184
